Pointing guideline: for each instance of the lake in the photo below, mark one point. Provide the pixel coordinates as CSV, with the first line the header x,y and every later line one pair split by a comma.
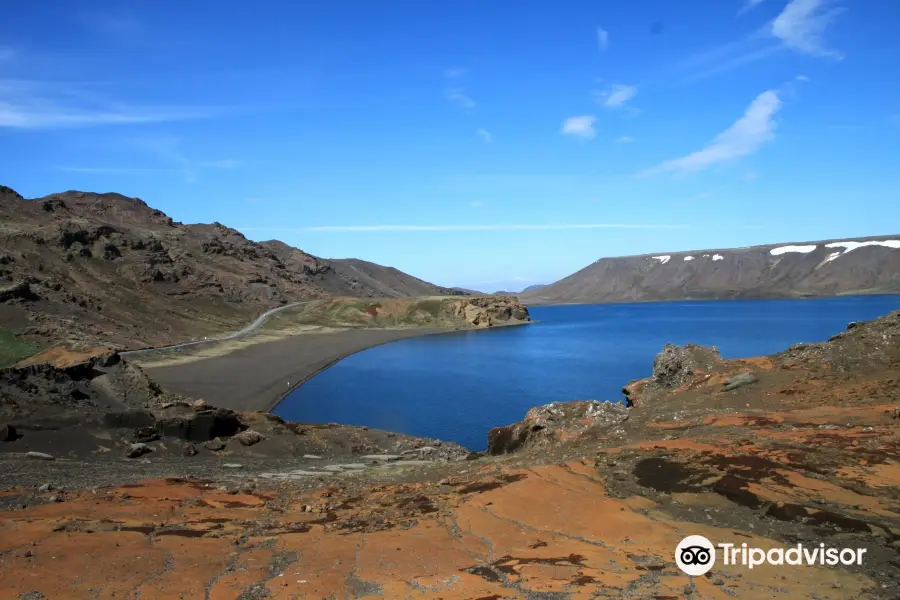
x,y
457,386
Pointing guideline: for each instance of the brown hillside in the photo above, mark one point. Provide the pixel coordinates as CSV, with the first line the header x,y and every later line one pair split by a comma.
x,y
104,269
799,269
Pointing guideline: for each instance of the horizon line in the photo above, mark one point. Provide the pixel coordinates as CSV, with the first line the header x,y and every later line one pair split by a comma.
x,y
514,227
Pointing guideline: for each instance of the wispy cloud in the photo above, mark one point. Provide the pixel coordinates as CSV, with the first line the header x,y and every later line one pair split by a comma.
x,y
602,39
625,139
802,24
413,228
581,126
485,135
476,204
616,96
113,170
227,163
455,91
749,5
728,58
800,27
28,104
702,196
751,176
458,95
745,136
802,78
167,150
7,54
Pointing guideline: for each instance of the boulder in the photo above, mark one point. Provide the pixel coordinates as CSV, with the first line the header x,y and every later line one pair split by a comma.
x,y
677,365
189,450
145,434
39,455
203,425
249,437
739,381
8,433
137,450
215,444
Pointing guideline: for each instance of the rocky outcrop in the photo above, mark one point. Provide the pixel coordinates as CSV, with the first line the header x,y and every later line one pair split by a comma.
x,y
190,424
490,311
674,366
17,291
548,425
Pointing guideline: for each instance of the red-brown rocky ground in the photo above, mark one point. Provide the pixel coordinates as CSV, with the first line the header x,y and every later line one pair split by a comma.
x,y
802,447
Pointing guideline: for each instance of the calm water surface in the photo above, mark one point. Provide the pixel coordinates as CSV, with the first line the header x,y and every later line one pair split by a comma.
x,y
457,386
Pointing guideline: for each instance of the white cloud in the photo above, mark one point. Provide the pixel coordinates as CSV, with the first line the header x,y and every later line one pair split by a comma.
x,y
227,163
625,139
749,5
802,78
602,39
582,126
800,27
802,24
456,93
459,96
745,136
46,105
485,135
616,96
413,228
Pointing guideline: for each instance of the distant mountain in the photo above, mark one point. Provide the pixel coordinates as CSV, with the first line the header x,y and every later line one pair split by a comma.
x,y
806,269
531,288
106,269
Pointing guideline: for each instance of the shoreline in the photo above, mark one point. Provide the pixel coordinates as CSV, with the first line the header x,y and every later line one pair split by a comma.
x,y
678,300
277,367
424,334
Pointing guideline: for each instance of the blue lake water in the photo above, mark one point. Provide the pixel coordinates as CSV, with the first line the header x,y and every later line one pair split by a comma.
x,y
457,386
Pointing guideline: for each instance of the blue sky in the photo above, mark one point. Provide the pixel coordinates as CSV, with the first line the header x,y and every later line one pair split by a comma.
x,y
482,144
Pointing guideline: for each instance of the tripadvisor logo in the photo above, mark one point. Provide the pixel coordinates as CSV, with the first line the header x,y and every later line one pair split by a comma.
x,y
696,555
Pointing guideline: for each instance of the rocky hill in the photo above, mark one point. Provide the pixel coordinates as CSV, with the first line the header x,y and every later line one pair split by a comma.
x,y
475,312
807,269
110,270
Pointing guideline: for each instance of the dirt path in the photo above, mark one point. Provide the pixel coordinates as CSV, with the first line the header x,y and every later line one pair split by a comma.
x,y
231,336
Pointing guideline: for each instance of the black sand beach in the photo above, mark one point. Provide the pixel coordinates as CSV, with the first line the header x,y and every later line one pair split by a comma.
x,y
257,377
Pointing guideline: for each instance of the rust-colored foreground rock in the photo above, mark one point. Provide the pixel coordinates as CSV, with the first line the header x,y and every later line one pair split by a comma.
x,y
491,533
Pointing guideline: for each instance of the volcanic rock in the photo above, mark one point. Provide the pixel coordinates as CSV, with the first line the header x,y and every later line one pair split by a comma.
x,y
552,423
